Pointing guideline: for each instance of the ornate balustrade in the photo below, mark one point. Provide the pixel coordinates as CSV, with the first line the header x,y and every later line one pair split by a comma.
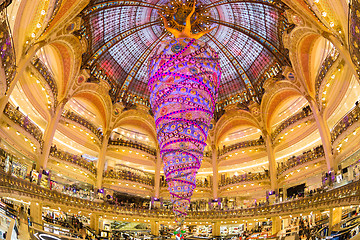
x,y
47,75
246,144
82,121
72,158
343,196
128,175
23,121
7,52
131,144
247,177
349,119
200,183
289,121
325,66
307,156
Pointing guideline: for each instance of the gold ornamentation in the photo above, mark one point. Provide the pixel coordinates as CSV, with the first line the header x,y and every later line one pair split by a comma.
x,y
186,31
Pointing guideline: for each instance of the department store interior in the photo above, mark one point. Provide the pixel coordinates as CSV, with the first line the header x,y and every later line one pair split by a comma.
x,y
179,119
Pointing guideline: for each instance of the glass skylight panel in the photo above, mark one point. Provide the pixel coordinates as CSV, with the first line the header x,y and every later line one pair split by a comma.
x,y
97,33
112,22
223,34
260,64
157,30
147,36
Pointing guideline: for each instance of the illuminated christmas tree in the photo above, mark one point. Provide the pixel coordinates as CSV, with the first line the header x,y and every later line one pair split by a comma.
x,y
184,74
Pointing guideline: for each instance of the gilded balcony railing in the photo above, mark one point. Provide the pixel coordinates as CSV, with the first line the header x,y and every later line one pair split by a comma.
x,y
72,158
307,156
325,66
343,124
82,121
289,121
7,52
47,75
200,183
23,121
245,144
130,175
342,196
247,177
132,144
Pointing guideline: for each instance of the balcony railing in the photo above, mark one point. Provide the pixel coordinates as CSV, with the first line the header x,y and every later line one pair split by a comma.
x,y
47,75
325,66
307,156
248,177
72,158
7,52
135,145
130,176
200,183
301,115
82,121
246,144
23,121
349,119
342,196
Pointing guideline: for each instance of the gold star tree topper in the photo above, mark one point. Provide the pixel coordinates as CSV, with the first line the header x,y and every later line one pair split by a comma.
x,y
186,32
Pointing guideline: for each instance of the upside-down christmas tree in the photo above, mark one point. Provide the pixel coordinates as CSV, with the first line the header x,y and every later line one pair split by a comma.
x,y
184,75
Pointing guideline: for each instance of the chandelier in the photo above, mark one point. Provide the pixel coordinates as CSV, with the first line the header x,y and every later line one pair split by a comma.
x,y
184,75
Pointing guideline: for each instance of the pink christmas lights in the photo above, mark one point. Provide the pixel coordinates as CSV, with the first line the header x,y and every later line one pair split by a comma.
x,y
184,76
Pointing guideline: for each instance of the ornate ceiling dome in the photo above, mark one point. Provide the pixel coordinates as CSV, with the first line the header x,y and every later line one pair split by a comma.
x,y
247,34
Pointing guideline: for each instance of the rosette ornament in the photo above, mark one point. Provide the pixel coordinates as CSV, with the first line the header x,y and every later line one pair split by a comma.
x,y
184,76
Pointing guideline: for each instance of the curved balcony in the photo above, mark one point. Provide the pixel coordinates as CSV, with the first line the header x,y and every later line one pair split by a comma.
x,y
47,75
347,121
7,52
246,144
325,67
200,183
247,177
72,158
135,145
342,196
23,121
306,112
83,122
306,157
130,176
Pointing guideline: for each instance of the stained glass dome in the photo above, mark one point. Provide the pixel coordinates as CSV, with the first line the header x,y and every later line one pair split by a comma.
x,y
247,34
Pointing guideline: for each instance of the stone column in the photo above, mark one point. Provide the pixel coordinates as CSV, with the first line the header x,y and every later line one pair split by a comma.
x,y
272,162
155,225
335,218
157,175
324,133
94,222
49,135
36,212
216,229
214,163
102,159
276,225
